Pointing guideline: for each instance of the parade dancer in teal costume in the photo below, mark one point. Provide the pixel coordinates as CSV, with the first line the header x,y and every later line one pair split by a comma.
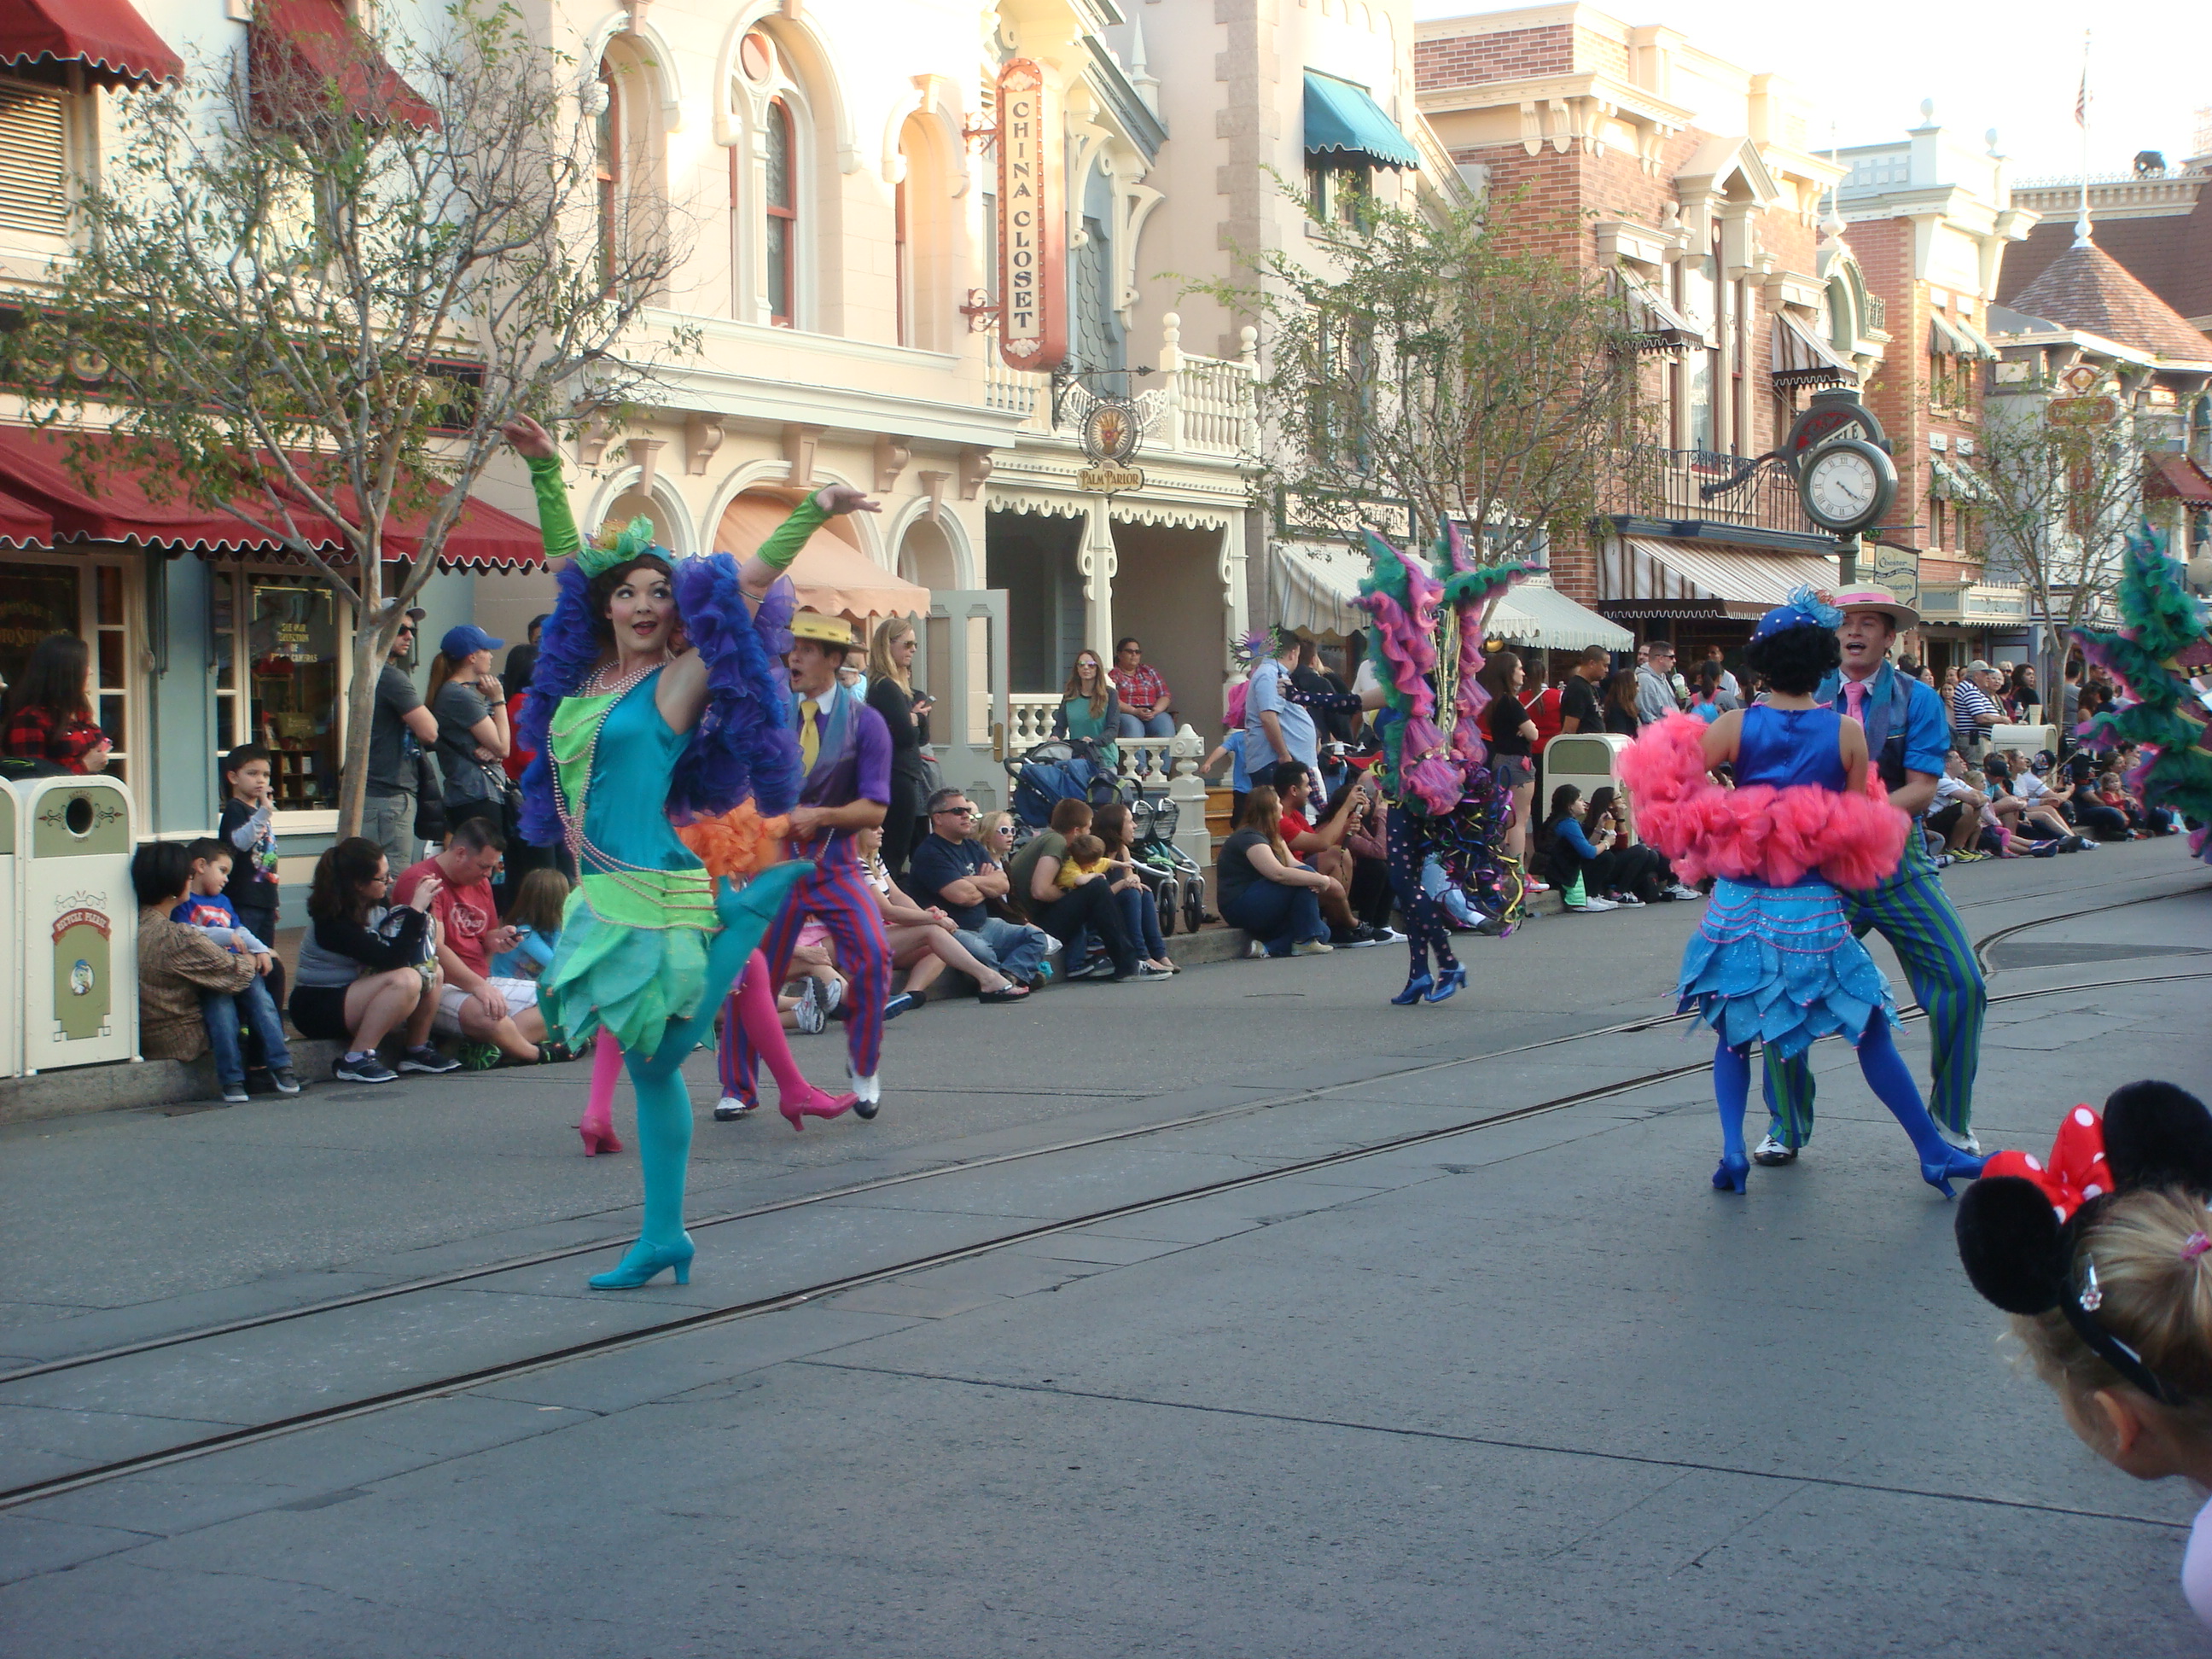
x,y
632,733
1774,960
1908,735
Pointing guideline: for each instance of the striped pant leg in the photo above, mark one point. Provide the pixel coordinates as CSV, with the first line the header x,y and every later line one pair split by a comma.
x,y
737,1061
1787,1085
843,902
1917,918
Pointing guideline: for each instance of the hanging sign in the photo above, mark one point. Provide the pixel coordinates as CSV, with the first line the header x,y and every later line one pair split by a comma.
x,y
1032,225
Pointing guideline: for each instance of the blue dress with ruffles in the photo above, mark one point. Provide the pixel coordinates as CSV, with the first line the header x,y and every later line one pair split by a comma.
x,y
1779,965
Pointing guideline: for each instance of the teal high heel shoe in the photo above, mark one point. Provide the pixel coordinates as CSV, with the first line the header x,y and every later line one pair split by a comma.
x,y
643,1265
1448,980
1416,987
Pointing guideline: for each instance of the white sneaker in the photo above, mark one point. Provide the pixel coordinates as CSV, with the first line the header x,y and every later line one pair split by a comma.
x,y
1627,901
808,1016
1388,936
1145,971
830,992
1772,1153
1593,906
1965,1142
1255,952
1679,890
1312,947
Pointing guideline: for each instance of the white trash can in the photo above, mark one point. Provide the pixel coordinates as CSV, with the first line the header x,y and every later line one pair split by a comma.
x,y
1589,760
11,982
76,922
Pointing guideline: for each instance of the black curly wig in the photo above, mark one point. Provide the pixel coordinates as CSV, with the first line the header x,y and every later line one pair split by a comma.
x,y
601,593
1794,660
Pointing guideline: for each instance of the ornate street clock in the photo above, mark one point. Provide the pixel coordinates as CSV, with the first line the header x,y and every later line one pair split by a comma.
x,y
1847,485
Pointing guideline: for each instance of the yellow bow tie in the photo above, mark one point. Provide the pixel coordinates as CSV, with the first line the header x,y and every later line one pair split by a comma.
x,y
810,733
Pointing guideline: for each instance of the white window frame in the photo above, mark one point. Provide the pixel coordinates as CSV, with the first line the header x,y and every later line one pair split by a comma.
x,y
130,568
234,725
752,239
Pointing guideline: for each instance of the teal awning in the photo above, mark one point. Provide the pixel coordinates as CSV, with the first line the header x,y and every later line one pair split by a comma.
x,y
1342,120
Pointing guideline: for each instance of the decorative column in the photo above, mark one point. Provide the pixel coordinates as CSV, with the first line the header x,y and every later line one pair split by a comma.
x,y
1097,561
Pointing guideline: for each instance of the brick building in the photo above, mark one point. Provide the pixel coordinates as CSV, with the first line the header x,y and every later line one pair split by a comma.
x,y
1924,221
1634,150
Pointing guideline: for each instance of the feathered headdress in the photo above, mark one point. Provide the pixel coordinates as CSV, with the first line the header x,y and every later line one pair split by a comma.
x,y
1804,608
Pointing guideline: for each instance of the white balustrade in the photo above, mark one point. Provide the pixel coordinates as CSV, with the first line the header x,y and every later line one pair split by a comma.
x,y
1202,407
1029,718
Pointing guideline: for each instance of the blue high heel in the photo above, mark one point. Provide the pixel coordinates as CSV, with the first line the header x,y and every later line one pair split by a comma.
x,y
1953,1162
1448,980
643,1265
1729,1177
1416,987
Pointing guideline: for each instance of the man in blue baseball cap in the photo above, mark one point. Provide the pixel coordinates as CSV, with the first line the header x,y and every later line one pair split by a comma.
x,y
474,736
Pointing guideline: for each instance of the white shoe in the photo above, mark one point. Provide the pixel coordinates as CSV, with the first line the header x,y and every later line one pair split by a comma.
x,y
1390,936
1312,947
1593,906
1679,892
1628,902
729,1109
1772,1153
1255,952
1145,971
1965,1142
830,992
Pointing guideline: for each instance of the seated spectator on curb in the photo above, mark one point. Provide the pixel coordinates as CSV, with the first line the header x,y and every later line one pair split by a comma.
x,y
923,942
1322,850
1357,806
365,969
493,1017
2112,790
1957,816
1141,907
209,909
960,874
2040,817
1261,889
536,915
1584,873
1609,824
2091,813
192,992
1088,906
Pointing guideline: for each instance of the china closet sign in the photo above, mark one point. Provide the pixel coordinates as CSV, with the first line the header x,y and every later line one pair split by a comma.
x,y
1032,227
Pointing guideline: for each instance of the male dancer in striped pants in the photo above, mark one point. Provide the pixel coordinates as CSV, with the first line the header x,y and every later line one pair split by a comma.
x,y
1907,737
846,749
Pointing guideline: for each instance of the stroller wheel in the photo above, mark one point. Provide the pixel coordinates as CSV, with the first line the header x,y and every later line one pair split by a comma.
x,y
1193,906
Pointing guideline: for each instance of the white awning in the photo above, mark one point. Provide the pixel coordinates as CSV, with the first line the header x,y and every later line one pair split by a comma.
x,y
1314,584
1317,582
1803,358
1534,613
1661,327
1653,577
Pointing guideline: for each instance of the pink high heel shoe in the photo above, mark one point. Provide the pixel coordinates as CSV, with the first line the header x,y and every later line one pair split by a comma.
x,y
815,1104
598,1138
597,1127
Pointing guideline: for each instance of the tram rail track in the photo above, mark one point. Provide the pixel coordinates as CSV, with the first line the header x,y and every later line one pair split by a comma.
x,y
461,1380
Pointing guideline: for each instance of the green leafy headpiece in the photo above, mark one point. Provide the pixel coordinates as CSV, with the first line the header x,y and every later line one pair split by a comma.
x,y
607,552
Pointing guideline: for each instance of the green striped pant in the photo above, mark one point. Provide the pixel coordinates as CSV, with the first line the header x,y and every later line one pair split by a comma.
x,y
1915,915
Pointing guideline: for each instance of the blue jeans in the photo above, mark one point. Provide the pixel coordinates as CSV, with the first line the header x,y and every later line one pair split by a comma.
x,y
221,1014
1160,725
1440,887
1011,947
1278,915
1141,916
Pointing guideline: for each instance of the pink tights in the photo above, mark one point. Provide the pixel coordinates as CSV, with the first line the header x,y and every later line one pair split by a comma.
x,y
756,1006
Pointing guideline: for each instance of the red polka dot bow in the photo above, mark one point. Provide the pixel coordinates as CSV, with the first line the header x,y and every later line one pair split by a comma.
x,y
2076,1172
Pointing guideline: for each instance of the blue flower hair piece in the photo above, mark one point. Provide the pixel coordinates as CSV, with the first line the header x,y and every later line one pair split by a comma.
x,y
1806,609
634,541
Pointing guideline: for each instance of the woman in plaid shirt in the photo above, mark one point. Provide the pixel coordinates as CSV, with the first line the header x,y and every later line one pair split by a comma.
x,y
50,708
1142,693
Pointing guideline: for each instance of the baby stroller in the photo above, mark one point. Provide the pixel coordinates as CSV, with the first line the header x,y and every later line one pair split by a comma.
x,y
1178,885
1050,773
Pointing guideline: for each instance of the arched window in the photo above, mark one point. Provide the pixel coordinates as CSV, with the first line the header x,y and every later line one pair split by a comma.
x,y
779,205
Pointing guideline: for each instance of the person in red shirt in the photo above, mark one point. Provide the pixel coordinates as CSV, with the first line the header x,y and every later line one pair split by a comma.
x,y
49,710
1324,850
494,1017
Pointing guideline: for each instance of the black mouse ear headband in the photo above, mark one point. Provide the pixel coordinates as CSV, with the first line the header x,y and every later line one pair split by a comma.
x,y
2020,1227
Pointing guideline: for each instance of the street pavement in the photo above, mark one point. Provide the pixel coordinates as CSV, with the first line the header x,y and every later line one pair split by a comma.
x,y
1526,1387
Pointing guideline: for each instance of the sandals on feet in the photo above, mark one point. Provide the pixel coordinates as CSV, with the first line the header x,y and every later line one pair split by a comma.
x,y
1006,992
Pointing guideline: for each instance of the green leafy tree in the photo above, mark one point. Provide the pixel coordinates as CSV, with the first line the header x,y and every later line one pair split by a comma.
x,y
311,296
1440,363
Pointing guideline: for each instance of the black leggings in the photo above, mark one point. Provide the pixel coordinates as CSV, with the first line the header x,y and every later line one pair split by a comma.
x,y
901,819
1639,869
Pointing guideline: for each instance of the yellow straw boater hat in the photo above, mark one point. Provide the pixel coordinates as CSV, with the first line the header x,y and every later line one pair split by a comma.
x,y
823,630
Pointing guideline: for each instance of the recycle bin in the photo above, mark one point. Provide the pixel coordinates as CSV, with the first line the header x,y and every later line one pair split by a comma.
x,y
76,922
11,983
1588,760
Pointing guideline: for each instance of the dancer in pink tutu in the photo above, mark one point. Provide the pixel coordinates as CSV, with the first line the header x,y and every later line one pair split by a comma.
x,y
1774,961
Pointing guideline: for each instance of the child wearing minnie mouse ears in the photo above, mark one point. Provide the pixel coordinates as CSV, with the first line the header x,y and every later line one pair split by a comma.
x,y
2103,1259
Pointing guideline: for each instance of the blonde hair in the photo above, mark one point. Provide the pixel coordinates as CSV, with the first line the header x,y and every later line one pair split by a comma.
x,y
889,632
2157,1299
1263,810
988,825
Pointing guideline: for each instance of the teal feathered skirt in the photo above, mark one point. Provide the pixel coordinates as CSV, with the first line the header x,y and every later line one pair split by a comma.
x,y
1778,966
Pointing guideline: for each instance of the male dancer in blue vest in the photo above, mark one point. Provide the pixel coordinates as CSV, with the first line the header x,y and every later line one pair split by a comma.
x,y
1907,737
846,749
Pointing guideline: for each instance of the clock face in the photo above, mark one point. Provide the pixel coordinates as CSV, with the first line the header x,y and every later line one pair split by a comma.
x,y
1848,485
